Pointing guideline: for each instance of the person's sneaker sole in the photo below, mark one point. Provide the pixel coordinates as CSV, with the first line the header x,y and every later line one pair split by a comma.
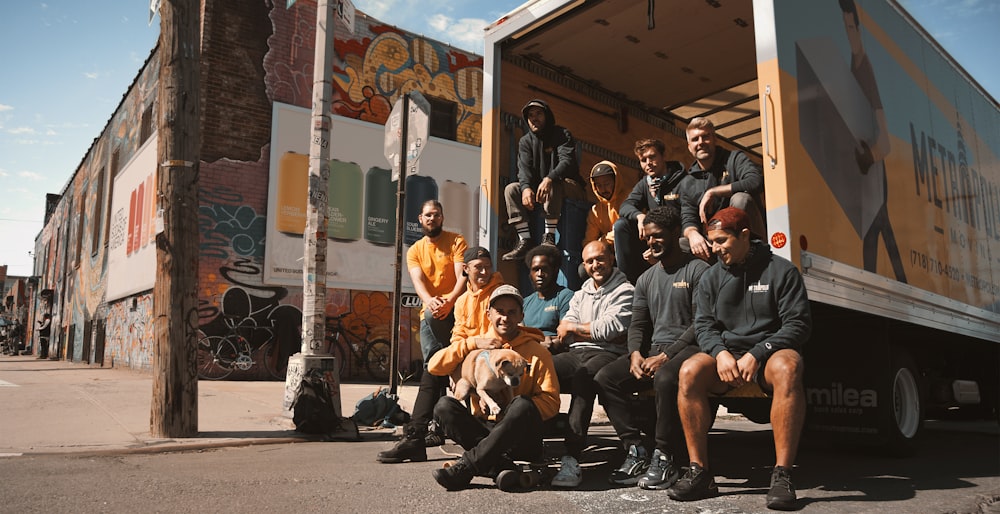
x,y
709,492
650,485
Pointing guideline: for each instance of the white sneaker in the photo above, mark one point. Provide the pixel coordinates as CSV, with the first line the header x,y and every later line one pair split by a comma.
x,y
570,474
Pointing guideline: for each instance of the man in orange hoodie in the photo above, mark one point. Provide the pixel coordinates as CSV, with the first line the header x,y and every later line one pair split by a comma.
x,y
610,192
536,399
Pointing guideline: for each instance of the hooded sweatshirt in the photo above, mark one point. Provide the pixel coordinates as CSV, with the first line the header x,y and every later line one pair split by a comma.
x,y
758,306
549,153
471,308
641,199
604,213
540,383
608,309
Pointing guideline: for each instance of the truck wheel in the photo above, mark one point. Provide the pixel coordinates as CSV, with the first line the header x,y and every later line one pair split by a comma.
x,y
903,413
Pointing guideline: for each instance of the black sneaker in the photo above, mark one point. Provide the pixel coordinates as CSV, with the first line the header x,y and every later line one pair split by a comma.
x,y
549,239
662,472
781,496
456,476
519,251
697,483
634,467
435,435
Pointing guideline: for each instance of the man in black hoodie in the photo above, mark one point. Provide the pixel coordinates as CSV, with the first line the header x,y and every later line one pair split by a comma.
x,y
547,172
752,319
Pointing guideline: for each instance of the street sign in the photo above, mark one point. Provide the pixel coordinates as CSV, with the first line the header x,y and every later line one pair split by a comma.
x,y
418,126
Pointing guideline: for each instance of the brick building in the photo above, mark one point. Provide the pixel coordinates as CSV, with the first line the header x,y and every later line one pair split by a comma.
x,y
94,257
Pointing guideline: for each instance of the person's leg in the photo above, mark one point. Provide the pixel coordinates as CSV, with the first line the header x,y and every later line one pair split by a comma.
x,y
669,433
519,433
516,217
666,461
628,249
746,202
584,391
434,334
697,380
413,447
783,377
460,425
553,210
615,387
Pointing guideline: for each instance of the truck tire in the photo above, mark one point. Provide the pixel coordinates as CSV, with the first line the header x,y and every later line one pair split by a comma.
x,y
903,413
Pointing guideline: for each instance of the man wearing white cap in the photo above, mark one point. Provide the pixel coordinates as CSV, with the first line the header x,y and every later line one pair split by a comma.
x,y
536,399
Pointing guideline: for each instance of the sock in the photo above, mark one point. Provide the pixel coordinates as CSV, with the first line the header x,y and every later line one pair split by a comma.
x,y
550,225
522,230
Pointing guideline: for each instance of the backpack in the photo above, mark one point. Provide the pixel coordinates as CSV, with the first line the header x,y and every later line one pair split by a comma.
x,y
313,411
380,408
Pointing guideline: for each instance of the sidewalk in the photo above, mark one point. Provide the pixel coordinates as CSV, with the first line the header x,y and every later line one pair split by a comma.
x,y
51,406
57,406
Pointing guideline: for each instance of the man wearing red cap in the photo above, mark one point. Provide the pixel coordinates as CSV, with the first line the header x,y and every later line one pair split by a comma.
x,y
752,319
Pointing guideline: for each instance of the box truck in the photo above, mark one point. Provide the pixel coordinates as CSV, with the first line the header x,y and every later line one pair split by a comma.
x,y
880,162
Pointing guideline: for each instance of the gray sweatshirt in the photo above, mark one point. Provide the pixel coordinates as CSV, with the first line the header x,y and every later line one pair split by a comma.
x,y
608,309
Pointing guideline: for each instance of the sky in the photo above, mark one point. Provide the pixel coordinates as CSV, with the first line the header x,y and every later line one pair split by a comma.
x,y
67,64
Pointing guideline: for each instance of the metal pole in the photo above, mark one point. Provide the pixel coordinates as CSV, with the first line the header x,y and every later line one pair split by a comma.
x,y
400,230
313,354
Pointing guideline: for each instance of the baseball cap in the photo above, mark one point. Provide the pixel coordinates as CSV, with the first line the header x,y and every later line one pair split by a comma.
x,y
476,252
602,168
506,290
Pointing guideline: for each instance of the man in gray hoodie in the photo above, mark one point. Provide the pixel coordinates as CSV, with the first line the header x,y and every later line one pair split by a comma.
x,y
595,329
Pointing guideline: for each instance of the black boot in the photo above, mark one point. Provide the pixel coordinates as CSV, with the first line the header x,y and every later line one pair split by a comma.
x,y
410,448
456,476
519,251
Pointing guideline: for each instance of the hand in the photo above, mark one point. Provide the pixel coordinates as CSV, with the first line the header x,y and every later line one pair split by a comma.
x,y
729,371
444,308
635,365
651,364
552,343
748,367
545,190
642,226
648,257
699,246
706,200
528,199
565,328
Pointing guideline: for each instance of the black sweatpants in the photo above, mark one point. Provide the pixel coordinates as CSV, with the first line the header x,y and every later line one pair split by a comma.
x,y
576,370
616,386
518,434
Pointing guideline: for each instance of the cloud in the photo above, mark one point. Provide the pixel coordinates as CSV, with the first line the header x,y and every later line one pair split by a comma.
x,y
91,75
21,130
3,173
30,175
5,108
465,33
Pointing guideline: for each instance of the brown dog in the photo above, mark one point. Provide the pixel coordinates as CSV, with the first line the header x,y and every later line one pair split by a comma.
x,y
493,374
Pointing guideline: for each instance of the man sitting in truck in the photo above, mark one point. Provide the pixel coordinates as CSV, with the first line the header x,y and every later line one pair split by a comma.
x,y
660,338
546,174
659,186
717,178
752,318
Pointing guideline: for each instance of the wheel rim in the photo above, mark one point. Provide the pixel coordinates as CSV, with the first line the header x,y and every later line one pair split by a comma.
x,y
906,402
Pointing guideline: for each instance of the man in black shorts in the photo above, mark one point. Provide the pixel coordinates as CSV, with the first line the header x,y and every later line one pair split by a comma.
x,y
752,319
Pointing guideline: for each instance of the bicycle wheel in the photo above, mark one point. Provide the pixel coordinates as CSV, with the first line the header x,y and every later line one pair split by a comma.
x,y
338,353
378,356
215,357
273,361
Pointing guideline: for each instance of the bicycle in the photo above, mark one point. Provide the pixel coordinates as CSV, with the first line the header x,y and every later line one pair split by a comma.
x,y
219,356
375,356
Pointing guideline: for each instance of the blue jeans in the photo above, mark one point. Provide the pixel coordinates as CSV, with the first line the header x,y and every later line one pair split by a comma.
x,y
435,333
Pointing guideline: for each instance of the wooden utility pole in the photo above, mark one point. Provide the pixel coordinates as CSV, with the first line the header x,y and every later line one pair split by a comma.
x,y
174,411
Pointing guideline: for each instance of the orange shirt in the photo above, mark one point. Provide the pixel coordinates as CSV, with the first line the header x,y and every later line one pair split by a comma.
x,y
436,260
